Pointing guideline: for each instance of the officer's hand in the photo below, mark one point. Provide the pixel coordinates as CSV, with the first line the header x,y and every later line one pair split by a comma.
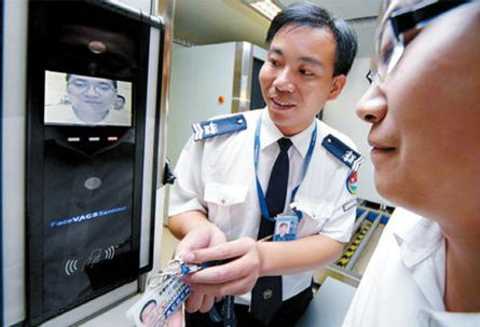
x,y
236,277
199,238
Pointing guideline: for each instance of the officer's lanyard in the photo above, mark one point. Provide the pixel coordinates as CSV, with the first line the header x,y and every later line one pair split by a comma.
x,y
256,155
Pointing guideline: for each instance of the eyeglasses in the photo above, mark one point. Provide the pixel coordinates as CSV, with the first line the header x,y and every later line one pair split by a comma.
x,y
370,76
80,85
400,28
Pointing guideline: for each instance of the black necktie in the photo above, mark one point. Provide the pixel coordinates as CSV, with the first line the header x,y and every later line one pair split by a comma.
x,y
267,293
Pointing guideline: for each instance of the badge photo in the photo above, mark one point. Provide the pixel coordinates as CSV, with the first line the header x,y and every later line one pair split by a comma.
x,y
285,228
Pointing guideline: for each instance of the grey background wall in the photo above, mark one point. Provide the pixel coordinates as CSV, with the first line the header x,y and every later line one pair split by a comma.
x,y
200,75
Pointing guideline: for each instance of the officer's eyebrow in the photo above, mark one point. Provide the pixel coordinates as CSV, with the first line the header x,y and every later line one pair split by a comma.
x,y
306,60
277,51
311,60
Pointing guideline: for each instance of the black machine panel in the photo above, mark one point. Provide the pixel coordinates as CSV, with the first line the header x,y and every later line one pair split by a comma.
x,y
257,101
87,73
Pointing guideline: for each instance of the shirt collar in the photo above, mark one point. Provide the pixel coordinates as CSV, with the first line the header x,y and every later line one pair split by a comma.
x,y
271,134
418,241
422,251
444,319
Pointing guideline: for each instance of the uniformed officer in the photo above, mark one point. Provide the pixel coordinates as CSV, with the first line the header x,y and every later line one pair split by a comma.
x,y
239,172
424,111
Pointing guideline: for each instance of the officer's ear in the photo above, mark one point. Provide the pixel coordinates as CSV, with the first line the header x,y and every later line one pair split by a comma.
x,y
119,102
337,86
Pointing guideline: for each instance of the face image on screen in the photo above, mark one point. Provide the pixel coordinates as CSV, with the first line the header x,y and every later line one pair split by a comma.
x,y
72,99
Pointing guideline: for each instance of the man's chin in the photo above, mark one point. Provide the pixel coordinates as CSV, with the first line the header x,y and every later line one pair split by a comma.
x,y
92,116
279,117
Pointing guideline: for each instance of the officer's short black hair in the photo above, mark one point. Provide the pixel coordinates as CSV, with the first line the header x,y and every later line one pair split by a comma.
x,y
307,14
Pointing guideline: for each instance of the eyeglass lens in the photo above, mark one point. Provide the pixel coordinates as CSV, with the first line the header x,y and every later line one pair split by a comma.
x,y
390,41
82,85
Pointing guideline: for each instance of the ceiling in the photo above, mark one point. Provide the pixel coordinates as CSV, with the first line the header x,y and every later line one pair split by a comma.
x,y
215,21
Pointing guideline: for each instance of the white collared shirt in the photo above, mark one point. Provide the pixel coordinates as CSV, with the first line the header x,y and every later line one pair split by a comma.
x,y
217,176
404,282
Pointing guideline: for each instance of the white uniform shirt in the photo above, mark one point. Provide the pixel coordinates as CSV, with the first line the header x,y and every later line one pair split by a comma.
x,y
63,114
403,284
217,176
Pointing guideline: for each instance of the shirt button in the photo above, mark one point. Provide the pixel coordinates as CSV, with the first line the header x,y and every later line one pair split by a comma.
x,y
267,294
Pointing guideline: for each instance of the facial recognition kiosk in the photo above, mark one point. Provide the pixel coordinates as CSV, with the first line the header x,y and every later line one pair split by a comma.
x,y
84,200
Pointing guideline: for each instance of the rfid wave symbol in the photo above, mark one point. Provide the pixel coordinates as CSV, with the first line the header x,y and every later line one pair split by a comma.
x,y
110,253
71,266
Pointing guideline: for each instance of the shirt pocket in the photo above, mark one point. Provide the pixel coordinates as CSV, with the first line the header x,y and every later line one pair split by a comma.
x,y
223,200
316,214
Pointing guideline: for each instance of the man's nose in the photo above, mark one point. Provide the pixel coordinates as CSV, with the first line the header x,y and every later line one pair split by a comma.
x,y
284,81
372,107
91,91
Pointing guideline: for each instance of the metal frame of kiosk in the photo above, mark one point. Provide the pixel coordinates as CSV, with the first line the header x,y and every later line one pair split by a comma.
x,y
1,143
43,37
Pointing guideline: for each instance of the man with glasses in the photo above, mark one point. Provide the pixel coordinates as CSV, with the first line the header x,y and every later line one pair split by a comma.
x,y
424,111
87,101
92,98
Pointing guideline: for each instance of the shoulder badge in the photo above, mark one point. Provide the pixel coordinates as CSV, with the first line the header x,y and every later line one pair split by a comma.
x,y
215,127
348,157
342,152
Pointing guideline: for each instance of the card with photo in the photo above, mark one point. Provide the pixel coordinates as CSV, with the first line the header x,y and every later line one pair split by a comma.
x,y
285,228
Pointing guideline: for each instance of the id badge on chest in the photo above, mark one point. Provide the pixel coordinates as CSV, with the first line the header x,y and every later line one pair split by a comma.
x,y
285,227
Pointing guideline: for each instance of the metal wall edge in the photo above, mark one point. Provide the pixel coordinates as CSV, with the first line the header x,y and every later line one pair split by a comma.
x,y
1,165
166,9
242,77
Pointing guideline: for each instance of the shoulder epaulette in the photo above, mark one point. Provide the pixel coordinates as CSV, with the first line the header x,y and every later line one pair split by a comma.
x,y
342,152
220,126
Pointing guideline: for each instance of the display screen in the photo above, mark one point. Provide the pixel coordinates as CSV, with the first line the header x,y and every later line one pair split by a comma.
x,y
72,99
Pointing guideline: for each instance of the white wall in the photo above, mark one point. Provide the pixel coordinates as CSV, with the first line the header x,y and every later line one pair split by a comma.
x,y
340,114
200,75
